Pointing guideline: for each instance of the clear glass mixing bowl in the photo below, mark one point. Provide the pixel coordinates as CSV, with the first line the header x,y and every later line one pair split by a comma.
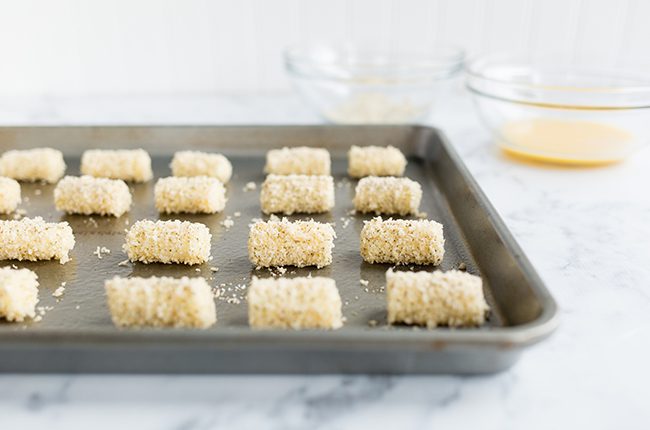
x,y
351,85
562,112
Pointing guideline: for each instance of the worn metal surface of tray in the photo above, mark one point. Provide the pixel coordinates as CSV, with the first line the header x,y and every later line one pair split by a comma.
x,y
76,333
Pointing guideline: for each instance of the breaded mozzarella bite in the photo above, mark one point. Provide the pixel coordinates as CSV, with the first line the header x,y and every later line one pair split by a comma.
x,y
131,165
289,194
87,195
30,165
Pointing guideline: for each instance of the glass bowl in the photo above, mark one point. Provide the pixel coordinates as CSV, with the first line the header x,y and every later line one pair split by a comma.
x,y
351,85
560,112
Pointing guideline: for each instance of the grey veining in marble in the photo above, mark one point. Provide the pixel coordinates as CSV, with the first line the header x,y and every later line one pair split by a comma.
x,y
587,231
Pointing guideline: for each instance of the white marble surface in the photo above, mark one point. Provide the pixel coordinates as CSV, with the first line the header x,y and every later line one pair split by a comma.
x,y
585,230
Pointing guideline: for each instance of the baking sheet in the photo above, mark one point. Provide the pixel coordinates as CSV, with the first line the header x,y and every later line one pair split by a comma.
x,y
78,335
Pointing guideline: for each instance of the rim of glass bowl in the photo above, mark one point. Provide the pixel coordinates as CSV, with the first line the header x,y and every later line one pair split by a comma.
x,y
548,82
373,66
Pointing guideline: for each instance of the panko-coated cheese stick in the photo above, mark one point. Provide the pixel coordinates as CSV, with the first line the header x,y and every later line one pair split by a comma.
x,y
283,243
131,165
298,303
199,194
33,239
197,163
160,302
375,161
388,195
87,195
168,242
300,160
452,298
288,194
402,241
29,165
9,195
18,294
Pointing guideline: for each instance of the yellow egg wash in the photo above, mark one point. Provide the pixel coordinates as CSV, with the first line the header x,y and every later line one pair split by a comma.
x,y
566,141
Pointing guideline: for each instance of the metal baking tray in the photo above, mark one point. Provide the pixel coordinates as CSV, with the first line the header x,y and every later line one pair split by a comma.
x,y
76,333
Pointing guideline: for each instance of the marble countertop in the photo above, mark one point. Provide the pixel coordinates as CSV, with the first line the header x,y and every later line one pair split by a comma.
x,y
585,230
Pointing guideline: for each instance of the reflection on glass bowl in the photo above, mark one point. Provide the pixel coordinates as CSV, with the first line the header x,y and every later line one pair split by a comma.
x,y
562,113
355,86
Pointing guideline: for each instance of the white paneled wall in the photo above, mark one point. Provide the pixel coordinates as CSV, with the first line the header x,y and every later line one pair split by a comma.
x,y
165,46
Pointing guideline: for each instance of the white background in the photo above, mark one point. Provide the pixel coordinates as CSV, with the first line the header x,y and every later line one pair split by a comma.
x,y
114,47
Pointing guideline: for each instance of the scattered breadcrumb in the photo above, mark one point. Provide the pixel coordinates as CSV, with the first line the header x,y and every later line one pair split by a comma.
x,y
228,222
345,182
214,269
250,186
42,310
100,251
231,293
19,213
59,291
363,282
237,214
372,323
123,263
